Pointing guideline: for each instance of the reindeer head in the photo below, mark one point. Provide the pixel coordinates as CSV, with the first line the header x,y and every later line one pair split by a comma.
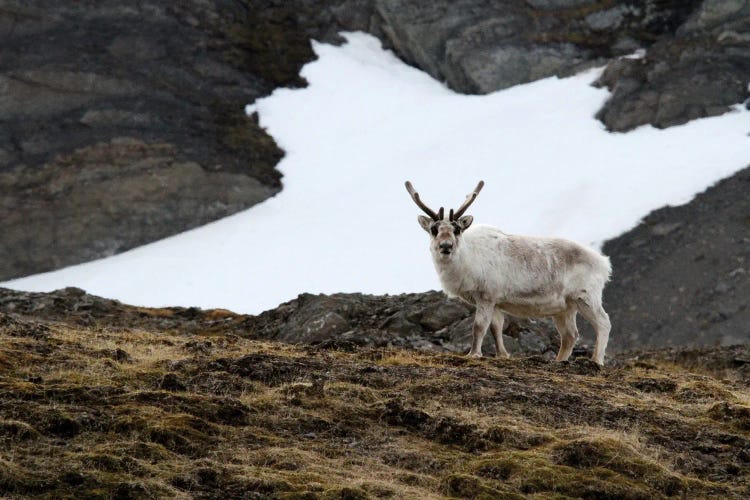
x,y
445,232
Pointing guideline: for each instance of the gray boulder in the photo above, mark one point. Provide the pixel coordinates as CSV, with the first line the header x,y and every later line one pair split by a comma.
x,y
427,321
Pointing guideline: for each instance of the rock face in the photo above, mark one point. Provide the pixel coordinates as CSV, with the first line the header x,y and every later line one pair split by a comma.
x,y
121,124
478,46
682,277
702,70
132,192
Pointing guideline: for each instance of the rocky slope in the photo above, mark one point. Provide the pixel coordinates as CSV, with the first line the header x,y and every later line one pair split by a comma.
x,y
479,47
99,399
426,321
701,70
682,277
121,124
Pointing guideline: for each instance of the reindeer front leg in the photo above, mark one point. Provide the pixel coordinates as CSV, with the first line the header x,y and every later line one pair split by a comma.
x,y
482,320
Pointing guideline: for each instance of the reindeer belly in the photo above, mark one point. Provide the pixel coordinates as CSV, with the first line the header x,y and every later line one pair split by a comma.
x,y
533,309
522,307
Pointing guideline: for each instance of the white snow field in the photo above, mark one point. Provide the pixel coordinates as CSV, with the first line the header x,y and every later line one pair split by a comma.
x,y
368,122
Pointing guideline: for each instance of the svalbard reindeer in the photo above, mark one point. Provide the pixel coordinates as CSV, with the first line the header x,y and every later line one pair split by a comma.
x,y
519,275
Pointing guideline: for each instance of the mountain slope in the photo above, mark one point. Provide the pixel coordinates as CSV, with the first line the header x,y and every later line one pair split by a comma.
x,y
123,124
682,276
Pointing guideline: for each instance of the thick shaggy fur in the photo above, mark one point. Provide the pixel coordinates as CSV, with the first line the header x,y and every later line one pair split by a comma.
x,y
523,276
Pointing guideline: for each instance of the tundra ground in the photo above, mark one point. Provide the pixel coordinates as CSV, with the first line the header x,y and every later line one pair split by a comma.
x,y
91,410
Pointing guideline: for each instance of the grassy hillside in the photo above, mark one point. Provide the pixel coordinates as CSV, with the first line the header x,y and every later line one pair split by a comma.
x,y
90,410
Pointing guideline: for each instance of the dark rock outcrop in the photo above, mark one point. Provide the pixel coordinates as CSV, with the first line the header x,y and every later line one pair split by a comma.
x,y
682,276
697,62
477,46
425,321
700,71
121,124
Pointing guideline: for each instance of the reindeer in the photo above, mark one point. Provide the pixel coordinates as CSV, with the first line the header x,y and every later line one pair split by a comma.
x,y
522,276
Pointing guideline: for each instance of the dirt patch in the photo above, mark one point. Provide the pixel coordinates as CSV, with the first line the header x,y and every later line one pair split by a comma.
x,y
737,415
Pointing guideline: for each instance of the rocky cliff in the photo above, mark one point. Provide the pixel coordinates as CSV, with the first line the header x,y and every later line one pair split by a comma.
x,y
121,124
701,70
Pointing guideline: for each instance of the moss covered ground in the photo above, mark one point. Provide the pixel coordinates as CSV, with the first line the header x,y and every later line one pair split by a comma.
x,y
89,410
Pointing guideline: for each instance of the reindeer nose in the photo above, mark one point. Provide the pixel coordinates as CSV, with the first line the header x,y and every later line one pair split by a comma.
x,y
445,246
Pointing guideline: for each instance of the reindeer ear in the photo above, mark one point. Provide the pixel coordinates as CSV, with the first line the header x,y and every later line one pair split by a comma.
x,y
465,221
425,222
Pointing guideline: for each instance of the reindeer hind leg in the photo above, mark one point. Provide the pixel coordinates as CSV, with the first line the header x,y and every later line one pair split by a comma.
x,y
496,327
566,327
591,309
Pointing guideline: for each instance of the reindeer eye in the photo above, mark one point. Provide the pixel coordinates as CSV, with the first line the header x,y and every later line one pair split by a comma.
x,y
434,229
456,229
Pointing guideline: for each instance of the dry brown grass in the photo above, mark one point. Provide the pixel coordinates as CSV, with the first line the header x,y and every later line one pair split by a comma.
x,y
131,413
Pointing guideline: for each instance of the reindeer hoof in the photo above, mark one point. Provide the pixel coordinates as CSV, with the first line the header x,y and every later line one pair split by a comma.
x,y
474,355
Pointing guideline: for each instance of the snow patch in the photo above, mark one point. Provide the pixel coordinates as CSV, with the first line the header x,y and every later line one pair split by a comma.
x,y
368,122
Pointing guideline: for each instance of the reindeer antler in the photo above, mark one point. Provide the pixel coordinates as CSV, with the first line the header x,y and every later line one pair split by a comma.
x,y
469,200
420,204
